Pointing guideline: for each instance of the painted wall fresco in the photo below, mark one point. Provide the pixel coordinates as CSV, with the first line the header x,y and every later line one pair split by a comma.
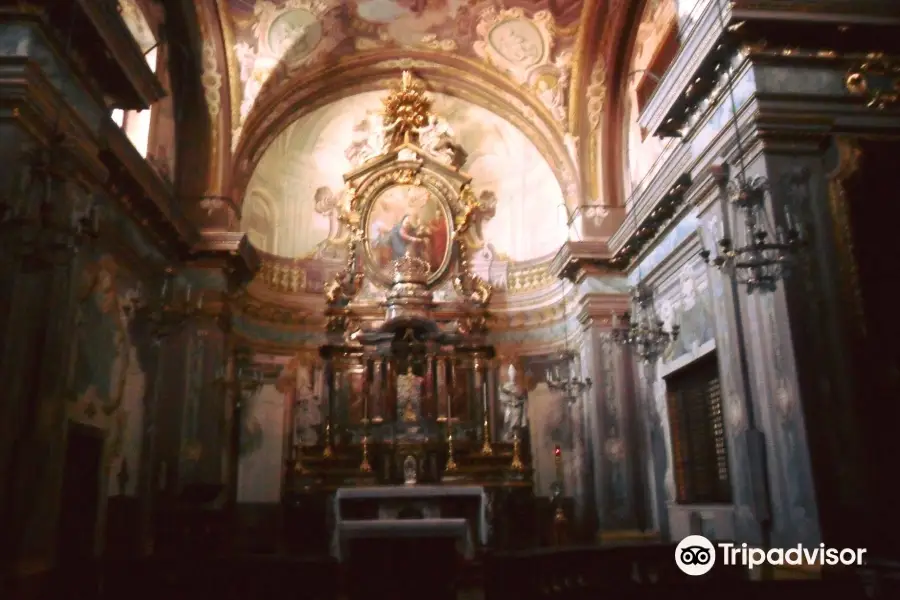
x,y
549,424
261,446
687,302
291,201
109,376
527,42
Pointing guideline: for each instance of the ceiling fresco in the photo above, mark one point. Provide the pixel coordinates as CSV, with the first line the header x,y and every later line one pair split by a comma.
x,y
290,209
529,41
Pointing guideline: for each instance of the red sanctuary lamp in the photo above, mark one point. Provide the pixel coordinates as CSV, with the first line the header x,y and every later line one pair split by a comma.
x,y
558,494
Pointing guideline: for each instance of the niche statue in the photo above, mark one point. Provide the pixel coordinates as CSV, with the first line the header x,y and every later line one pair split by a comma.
x,y
512,398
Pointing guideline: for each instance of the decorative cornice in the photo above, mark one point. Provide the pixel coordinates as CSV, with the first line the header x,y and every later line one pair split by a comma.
x,y
103,42
144,194
792,27
29,99
639,234
843,12
230,251
600,310
576,260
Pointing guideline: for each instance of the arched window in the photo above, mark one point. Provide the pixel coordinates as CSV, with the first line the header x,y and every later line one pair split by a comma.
x,y
660,34
151,131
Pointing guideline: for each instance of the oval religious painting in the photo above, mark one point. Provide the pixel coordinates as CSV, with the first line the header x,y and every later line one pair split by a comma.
x,y
407,219
518,41
294,34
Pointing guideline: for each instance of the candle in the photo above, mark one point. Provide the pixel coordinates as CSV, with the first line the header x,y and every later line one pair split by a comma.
x,y
789,219
165,288
187,293
200,301
450,388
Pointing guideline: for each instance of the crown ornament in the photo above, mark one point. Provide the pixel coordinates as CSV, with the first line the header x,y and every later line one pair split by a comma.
x,y
410,269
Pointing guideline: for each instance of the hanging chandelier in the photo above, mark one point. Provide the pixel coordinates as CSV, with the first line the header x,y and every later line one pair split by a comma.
x,y
566,380
644,331
754,251
755,257
170,310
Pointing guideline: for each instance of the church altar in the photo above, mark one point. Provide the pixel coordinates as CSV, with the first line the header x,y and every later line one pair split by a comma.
x,y
422,502
408,386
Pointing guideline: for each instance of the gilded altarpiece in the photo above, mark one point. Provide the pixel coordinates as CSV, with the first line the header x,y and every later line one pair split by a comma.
x,y
407,378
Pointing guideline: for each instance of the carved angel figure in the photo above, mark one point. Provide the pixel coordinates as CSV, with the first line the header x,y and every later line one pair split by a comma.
x,y
328,204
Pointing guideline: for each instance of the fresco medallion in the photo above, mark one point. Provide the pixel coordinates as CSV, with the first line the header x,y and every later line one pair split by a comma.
x,y
518,41
294,34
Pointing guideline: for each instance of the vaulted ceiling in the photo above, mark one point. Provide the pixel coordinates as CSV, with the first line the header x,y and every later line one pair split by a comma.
x,y
544,65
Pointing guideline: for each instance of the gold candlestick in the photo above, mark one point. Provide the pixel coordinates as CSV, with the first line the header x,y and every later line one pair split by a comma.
x,y
486,449
328,452
451,462
364,466
516,464
299,467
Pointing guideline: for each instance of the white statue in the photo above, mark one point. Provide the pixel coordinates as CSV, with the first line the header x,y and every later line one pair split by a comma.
x,y
512,398
308,415
368,139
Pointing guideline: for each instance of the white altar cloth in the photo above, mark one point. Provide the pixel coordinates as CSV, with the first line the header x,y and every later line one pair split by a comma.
x,y
404,528
415,492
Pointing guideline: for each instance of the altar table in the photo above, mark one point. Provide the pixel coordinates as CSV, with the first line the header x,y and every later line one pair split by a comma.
x,y
457,529
392,493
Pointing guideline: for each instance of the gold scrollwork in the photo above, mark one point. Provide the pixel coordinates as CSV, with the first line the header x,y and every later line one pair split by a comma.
x,y
467,284
877,79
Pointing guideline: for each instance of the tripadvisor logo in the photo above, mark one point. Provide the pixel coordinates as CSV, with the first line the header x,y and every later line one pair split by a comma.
x,y
695,555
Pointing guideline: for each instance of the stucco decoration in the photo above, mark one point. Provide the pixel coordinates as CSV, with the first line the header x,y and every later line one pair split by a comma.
x,y
523,48
292,35
290,208
273,39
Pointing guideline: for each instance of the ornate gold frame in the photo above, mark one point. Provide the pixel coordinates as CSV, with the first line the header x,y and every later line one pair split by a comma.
x,y
403,162
415,174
